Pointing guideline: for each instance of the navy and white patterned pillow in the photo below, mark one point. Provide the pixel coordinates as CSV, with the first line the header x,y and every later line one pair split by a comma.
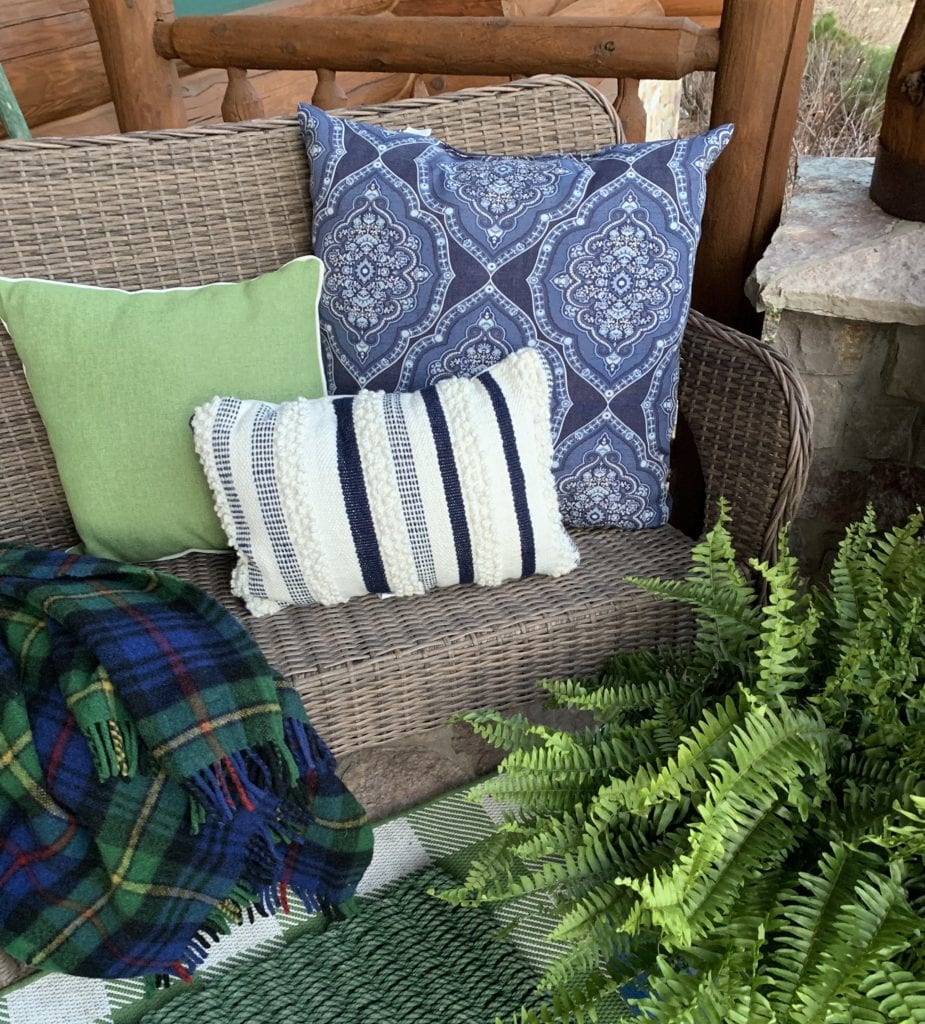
x,y
326,499
440,263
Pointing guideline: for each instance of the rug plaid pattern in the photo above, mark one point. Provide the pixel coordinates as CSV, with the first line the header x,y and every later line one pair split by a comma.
x,y
447,832
156,776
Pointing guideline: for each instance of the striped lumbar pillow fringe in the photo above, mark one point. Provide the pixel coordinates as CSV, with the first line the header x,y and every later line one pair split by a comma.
x,y
325,499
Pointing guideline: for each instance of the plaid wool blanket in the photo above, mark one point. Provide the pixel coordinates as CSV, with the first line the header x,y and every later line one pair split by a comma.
x,y
157,778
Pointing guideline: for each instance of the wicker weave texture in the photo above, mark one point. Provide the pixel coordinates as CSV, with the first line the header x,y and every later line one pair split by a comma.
x,y
375,670
227,202
752,423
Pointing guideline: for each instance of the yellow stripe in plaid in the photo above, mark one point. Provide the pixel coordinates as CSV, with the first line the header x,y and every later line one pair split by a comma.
x,y
195,731
101,683
38,626
157,784
9,761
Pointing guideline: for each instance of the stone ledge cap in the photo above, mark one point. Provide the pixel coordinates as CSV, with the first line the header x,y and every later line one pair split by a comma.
x,y
838,254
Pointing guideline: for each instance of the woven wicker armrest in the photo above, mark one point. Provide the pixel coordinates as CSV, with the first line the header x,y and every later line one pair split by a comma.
x,y
752,425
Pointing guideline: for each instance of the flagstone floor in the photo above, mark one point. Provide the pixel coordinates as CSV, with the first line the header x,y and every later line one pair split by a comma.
x,y
390,778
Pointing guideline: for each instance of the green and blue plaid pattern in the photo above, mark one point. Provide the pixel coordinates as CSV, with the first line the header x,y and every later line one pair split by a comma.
x,y
447,833
156,776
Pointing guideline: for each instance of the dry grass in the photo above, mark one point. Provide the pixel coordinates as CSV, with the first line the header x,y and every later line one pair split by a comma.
x,y
844,83
877,24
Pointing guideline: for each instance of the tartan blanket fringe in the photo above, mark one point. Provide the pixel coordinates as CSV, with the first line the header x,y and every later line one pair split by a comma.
x,y
114,746
158,780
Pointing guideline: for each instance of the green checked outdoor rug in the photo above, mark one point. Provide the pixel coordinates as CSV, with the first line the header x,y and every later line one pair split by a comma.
x,y
401,950
406,957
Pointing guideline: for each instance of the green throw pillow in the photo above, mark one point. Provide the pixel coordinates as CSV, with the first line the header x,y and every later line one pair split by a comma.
x,y
116,376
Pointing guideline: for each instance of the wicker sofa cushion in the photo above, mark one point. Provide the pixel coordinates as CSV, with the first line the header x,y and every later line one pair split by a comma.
x,y
440,263
329,499
116,376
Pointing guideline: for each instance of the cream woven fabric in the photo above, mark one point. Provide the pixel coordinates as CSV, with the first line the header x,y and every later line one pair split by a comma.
x,y
327,499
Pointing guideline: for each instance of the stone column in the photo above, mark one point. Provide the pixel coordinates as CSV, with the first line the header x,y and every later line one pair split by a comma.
x,y
845,284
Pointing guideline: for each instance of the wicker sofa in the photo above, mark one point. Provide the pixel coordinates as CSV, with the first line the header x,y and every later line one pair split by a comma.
x,y
227,202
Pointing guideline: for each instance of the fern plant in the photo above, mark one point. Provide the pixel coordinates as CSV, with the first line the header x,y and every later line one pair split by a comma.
x,y
744,825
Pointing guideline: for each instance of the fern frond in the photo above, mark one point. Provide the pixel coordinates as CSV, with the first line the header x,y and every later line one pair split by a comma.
x,y
556,770
872,928
604,903
576,1003
508,877
852,587
723,995
760,843
788,628
771,753
689,770
504,732
898,554
634,685
866,788
740,829
874,648
908,838
899,994
806,919
722,599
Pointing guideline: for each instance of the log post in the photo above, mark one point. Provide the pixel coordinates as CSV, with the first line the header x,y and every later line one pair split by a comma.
x,y
758,89
145,87
898,182
328,95
631,110
241,102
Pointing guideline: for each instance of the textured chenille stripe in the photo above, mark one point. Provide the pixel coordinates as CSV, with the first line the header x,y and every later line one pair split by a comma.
x,y
409,490
451,485
299,434
466,419
382,491
356,500
515,474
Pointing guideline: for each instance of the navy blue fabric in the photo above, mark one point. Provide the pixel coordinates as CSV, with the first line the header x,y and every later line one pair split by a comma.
x,y
154,766
451,486
515,473
353,486
440,263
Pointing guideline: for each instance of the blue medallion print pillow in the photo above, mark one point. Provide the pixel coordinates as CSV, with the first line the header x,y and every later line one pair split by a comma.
x,y
441,263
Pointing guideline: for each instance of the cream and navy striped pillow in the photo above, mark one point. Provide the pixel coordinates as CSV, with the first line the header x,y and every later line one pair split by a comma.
x,y
325,499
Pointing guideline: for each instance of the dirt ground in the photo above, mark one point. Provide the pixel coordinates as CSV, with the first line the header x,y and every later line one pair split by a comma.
x,y
880,24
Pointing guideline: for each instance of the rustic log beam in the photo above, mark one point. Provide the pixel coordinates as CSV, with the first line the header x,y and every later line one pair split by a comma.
x,y
607,47
145,87
898,183
758,89
446,8
694,9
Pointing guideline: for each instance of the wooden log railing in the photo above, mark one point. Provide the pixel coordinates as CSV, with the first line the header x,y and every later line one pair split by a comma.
x,y
653,47
758,54
585,47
